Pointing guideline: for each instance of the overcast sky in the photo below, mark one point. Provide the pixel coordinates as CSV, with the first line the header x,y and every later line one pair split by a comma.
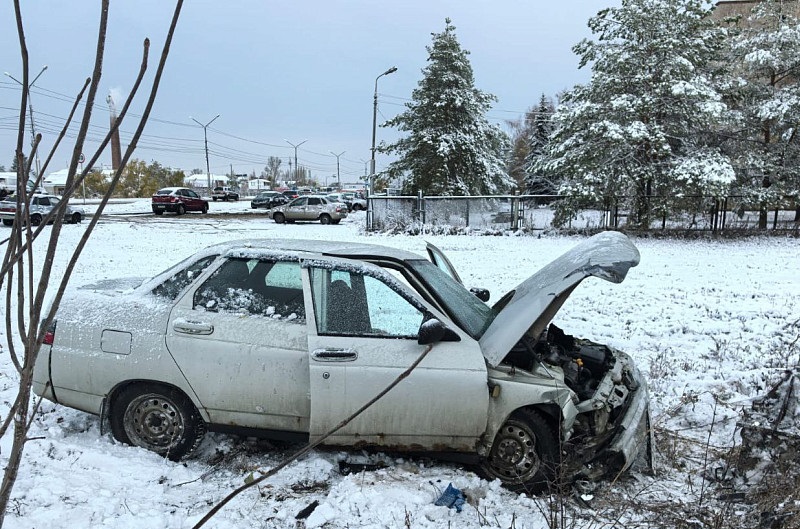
x,y
277,71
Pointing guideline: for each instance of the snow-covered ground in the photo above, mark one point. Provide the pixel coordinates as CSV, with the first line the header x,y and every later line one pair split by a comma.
x,y
708,322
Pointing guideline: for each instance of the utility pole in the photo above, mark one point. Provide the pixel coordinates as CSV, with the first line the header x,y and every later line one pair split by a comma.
x,y
30,107
338,177
205,138
295,157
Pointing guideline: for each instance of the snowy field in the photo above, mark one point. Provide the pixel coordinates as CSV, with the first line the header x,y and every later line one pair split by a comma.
x,y
708,322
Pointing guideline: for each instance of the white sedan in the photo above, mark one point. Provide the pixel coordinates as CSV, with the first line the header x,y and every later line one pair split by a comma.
x,y
285,339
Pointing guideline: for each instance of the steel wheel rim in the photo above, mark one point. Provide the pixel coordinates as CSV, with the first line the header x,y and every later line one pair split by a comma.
x,y
153,421
513,456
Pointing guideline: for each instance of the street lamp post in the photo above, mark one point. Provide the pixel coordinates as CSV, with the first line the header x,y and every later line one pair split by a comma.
x,y
30,108
205,139
338,177
371,184
295,156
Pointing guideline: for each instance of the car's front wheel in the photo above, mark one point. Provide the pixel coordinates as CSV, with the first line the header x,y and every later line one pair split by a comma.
x,y
159,418
278,218
204,209
8,222
76,218
36,219
524,455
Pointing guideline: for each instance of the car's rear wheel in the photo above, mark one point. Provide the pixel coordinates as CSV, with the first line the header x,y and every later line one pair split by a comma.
x,y
325,218
76,218
159,418
279,218
181,209
524,455
8,222
357,207
158,211
36,219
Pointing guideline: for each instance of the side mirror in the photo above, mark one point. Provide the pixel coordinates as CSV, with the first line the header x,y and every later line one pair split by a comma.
x,y
481,293
433,331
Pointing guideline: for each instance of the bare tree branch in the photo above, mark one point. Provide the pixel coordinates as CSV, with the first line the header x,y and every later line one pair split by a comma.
x,y
309,447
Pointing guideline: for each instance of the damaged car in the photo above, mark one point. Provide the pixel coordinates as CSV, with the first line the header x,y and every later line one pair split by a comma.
x,y
285,339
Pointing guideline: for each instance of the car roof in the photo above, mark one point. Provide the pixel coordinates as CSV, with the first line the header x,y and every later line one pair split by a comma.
x,y
347,250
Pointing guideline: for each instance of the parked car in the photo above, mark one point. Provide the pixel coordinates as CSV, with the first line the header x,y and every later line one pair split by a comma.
x,y
356,202
41,206
309,207
290,193
178,200
224,193
268,200
339,197
286,338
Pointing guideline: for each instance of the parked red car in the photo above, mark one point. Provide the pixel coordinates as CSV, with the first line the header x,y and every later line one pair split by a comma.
x,y
178,200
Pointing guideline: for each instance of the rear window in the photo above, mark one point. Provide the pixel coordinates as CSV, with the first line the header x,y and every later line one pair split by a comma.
x,y
164,191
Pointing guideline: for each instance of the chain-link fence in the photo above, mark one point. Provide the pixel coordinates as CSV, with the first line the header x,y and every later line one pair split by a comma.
x,y
541,212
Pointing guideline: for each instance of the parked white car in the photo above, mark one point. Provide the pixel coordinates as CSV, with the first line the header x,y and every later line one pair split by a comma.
x,y
285,339
40,206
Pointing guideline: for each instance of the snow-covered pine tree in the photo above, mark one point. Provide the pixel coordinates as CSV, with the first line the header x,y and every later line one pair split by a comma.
x,y
641,126
451,148
765,96
537,180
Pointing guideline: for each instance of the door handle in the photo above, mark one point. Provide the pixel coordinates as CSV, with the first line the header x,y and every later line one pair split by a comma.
x,y
192,327
334,354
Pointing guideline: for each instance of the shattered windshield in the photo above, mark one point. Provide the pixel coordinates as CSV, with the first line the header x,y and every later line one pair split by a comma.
x,y
471,314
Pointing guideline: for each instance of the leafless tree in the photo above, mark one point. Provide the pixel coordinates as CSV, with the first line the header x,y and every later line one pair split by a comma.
x,y
26,279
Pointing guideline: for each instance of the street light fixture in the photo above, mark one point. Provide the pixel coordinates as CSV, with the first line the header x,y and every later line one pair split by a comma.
x,y
338,177
295,156
371,185
205,139
30,107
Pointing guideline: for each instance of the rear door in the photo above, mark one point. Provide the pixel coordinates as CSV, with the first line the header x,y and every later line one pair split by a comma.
x,y
240,338
363,337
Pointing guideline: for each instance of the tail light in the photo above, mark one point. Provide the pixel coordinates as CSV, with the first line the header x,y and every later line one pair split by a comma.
x,y
50,335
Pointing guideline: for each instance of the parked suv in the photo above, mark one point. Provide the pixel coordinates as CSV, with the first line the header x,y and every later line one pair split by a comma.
x,y
310,207
178,200
224,193
268,200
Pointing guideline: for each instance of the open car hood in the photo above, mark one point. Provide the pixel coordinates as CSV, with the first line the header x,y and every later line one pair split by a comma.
x,y
534,302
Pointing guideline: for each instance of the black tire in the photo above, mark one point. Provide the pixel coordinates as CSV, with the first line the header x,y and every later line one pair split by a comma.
x,y
204,210
279,218
180,210
357,207
8,222
215,199
524,455
158,418
336,221
158,211
76,218
325,218
36,219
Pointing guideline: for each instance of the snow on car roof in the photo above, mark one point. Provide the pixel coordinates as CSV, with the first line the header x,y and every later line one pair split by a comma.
x,y
332,248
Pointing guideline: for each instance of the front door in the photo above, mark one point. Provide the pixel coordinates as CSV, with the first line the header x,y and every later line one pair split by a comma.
x,y
240,339
364,337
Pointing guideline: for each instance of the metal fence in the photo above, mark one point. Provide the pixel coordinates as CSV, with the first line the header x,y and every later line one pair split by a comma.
x,y
541,212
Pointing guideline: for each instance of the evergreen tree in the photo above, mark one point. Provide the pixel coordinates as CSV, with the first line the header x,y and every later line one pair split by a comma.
x,y
538,181
765,97
451,148
642,126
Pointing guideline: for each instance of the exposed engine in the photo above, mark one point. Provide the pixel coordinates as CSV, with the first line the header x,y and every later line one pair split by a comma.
x,y
584,363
